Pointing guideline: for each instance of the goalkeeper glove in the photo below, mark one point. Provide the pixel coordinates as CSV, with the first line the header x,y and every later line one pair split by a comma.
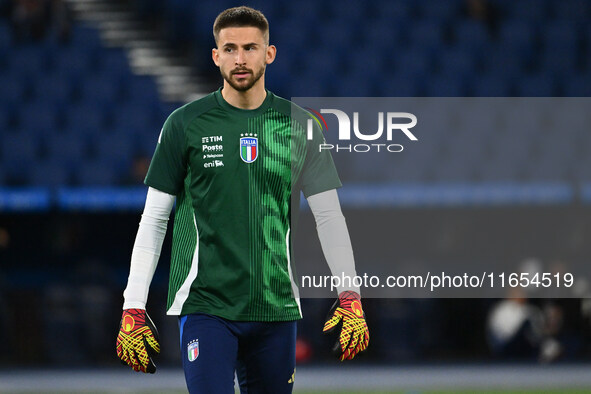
x,y
347,314
137,342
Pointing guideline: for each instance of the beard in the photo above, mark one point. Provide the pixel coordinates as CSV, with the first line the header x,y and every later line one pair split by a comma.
x,y
246,83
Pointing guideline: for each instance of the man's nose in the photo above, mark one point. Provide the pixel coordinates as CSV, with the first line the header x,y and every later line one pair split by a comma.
x,y
240,57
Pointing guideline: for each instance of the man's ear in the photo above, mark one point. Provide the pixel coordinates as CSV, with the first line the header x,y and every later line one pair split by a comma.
x,y
271,52
215,56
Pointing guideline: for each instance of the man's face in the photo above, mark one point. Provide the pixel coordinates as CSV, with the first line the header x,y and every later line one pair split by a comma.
x,y
242,55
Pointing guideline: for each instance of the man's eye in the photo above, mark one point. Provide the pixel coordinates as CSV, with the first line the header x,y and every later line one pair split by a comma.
x,y
229,50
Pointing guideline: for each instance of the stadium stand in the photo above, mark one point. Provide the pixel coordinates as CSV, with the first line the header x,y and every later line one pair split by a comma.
x,y
60,99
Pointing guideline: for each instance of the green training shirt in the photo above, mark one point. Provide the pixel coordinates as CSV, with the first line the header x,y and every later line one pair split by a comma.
x,y
233,172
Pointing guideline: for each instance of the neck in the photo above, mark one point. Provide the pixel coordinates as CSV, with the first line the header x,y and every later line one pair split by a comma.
x,y
250,99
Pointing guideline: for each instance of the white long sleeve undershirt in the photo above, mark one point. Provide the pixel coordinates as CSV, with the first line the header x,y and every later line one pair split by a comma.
x,y
147,248
334,236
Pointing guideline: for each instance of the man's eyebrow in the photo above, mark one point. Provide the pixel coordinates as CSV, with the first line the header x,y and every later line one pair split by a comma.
x,y
250,44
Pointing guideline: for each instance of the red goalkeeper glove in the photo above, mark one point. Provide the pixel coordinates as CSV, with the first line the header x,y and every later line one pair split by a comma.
x,y
347,314
137,342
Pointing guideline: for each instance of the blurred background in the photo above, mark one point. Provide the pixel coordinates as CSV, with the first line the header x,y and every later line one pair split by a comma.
x,y
85,86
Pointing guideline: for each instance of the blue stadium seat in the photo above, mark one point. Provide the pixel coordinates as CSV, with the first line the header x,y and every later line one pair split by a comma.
x,y
560,34
470,35
505,61
444,11
52,88
577,85
145,142
38,117
67,149
581,171
336,35
87,37
572,10
18,152
490,86
101,90
559,61
414,62
355,85
85,119
382,36
307,12
5,121
49,173
271,9
517,34
529,10
547,170
324,65
456,62
181,19
29,61
446,86
135,117
400,85
370,61
75,62
396,11
287,42
426,34
14,90
499,169
5,35
97,173
540,85
348,11
116,149
309,85
141,90
114,62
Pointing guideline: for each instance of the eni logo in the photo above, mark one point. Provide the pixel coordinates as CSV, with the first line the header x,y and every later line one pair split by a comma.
x,y
356,308
128,323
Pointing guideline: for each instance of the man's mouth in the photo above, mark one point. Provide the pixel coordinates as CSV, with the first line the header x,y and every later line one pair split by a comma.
x,y
241,74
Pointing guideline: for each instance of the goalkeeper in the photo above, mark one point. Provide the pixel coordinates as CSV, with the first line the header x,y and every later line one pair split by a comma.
x,y
231,161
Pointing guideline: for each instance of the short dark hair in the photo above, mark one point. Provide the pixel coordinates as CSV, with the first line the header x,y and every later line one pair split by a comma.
x,y
241,17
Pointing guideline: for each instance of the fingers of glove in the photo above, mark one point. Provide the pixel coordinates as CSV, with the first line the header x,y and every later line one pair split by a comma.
x,y
119,349
364,340
153,330
132,359
151,343
355,338
345,338
331,323
149,365
351,349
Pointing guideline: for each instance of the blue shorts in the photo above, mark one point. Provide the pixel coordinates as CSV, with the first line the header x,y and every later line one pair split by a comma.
x,y
262,354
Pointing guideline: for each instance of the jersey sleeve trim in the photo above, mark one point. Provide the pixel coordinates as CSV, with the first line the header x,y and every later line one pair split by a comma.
x,y
162,187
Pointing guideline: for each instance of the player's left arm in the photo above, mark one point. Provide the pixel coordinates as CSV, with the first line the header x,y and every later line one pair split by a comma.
x,y
347,312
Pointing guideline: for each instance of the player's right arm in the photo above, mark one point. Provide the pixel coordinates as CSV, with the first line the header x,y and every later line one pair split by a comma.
x,y
137,341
